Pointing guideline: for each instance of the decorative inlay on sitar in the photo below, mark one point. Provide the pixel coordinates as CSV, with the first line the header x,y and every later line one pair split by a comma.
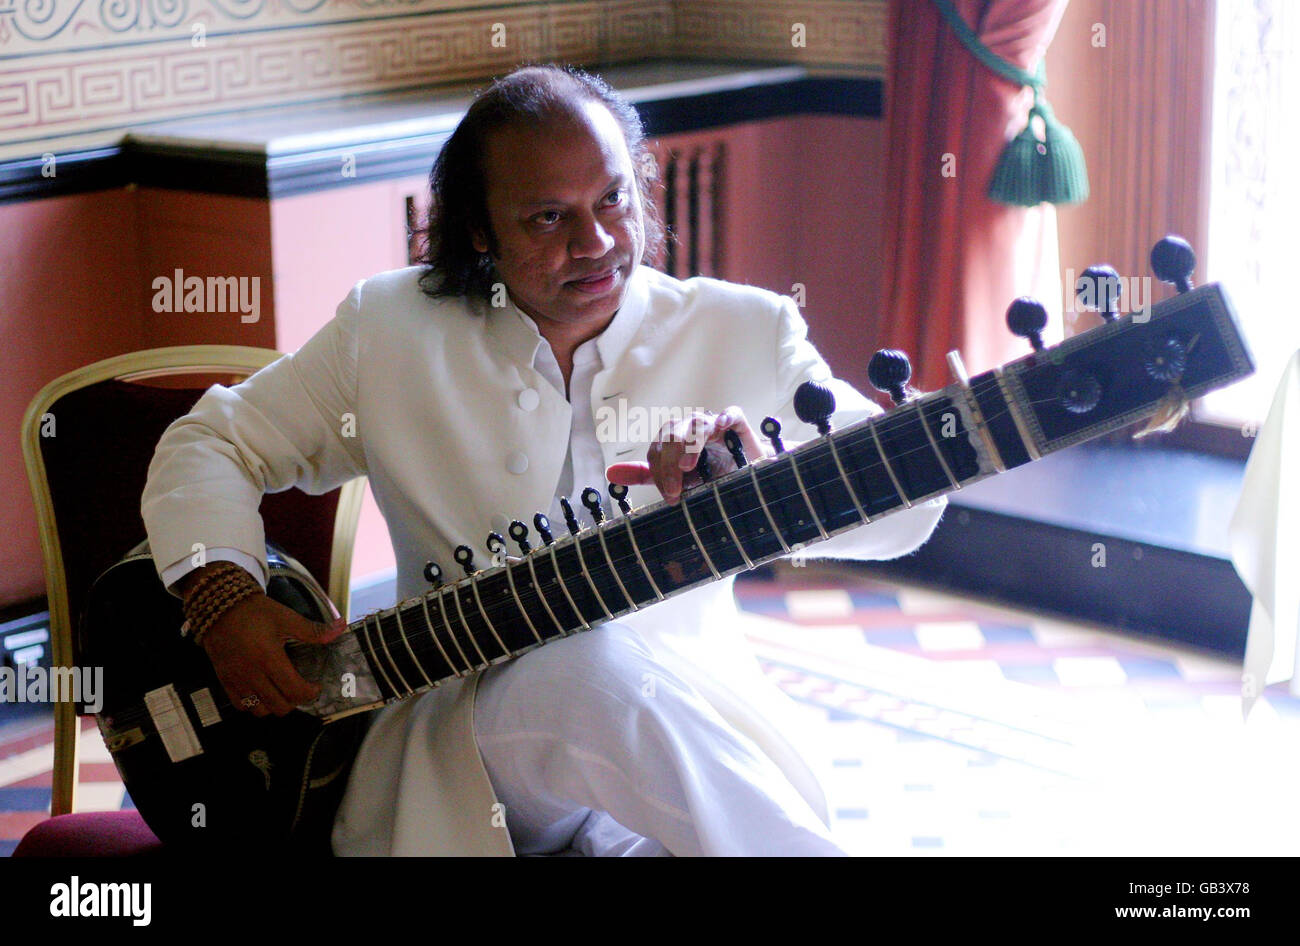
x,y
177,741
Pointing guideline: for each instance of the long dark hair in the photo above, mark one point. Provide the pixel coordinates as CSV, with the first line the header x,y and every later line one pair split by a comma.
x,y
530,96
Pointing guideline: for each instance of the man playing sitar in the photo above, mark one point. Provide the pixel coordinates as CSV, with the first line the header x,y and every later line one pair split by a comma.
x,y
651,734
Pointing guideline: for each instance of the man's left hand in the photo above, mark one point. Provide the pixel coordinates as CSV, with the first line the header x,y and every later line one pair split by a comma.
x,y
676,452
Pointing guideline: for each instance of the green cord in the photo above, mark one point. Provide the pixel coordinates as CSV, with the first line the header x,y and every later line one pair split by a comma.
x,y
988,57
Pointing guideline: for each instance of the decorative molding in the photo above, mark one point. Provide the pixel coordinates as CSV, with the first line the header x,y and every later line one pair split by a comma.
x,y
78,172
846,34
76,74
47,26
110,89
250,174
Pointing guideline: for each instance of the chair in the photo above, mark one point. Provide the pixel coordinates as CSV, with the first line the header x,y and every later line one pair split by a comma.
x,y
88,438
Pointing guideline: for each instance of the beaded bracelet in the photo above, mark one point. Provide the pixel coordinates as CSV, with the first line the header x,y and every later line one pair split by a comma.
x,y
223,585
209,574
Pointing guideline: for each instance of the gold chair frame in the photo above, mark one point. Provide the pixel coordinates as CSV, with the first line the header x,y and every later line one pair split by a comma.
x,y
234,360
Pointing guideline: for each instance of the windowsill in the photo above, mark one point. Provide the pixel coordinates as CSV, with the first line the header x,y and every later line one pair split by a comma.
x,y
1219,440
1154,494
1132,537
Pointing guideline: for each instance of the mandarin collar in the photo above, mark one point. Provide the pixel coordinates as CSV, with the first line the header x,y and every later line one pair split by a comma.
x,y
517,333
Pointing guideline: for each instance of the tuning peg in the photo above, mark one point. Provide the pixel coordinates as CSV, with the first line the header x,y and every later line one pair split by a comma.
x,y
889,370
519,532
570,519
1172,260
465,558
1165,359
495,543
591,499
736,448
543,527
618,493
1027,318
814,403
1099,288
1078,390
433,573
771,428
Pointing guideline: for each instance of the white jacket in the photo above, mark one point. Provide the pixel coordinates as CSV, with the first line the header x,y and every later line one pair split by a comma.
x,y
422,397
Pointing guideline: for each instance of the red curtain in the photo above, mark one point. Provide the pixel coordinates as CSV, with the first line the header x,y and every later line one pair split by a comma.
x,y
955,258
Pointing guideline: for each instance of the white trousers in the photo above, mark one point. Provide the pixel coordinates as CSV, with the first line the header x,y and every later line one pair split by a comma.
x,y
594,746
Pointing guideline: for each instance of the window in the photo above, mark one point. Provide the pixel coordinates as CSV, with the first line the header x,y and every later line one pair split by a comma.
x,y
1254,210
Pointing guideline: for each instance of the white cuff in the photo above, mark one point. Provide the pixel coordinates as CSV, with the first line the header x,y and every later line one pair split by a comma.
x,y
178,570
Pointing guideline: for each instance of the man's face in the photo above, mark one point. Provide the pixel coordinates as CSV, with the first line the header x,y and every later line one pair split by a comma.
x,y
564,206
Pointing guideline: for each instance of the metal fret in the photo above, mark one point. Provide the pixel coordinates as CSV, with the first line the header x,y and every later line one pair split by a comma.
x,y
934,444
880,448
541,596
428,620
397,613
1021,427
468,631
379,664
451,632
853,494
812,512
659,595
600,534
582,563
703,551
555,563
406,687
473,583
727,522
520,605
767,512
415,660
973,405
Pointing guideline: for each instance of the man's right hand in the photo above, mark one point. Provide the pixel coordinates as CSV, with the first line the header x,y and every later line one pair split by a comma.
x,y
246,647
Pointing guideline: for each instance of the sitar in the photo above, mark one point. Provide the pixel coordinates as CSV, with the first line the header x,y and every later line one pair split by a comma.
x,y
204,774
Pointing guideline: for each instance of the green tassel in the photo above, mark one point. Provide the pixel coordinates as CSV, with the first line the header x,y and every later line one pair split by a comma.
x,y
1031,171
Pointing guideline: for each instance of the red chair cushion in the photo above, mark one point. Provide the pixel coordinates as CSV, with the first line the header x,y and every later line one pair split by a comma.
x,y
90,834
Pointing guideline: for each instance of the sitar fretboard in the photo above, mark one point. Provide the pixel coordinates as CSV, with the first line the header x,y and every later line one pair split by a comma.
x,y
737,521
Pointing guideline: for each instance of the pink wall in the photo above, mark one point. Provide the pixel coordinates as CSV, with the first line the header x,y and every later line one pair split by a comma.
x,y
69,295
206,235
804,203
838,237
322,244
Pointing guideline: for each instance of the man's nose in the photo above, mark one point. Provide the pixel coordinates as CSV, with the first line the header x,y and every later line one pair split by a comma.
x,y
590,239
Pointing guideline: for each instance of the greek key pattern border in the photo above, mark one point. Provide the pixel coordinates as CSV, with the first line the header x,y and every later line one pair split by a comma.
x,y
847,34
91,94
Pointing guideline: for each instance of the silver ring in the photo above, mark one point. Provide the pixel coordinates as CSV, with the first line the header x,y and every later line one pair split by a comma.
x,y
250,701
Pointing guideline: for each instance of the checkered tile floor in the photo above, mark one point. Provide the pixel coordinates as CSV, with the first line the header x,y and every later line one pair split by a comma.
x,y
952,728
956,728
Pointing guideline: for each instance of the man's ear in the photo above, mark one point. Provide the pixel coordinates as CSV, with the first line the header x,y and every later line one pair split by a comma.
x,y
479,239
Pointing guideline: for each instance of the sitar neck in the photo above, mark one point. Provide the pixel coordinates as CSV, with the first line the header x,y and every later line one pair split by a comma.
x,y
925,448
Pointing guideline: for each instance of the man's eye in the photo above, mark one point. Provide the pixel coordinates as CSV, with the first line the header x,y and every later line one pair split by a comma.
x,y
618,198
547,217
